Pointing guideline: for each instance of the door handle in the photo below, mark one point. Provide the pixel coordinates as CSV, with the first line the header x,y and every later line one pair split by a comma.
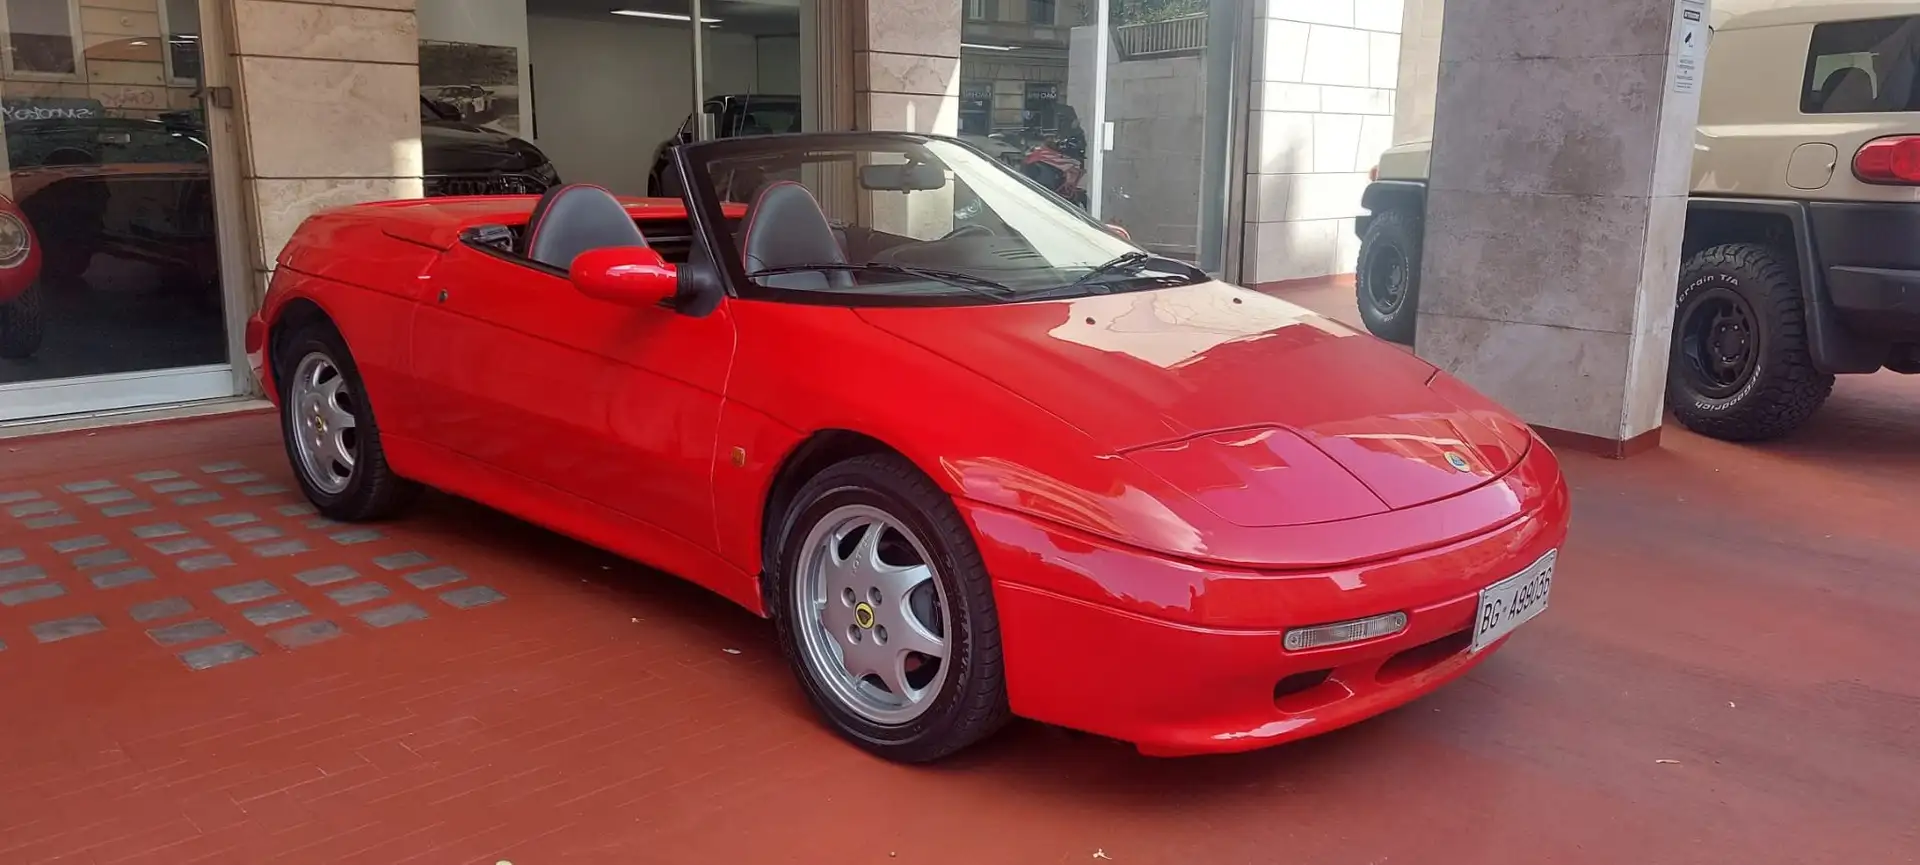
x,y
443,296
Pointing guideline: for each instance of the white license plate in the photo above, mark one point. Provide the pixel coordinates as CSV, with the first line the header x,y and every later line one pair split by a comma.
x,y
1508,604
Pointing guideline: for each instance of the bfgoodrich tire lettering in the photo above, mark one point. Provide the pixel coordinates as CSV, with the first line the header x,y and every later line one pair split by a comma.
x,y
1387,277
1733,298
368,488
970,702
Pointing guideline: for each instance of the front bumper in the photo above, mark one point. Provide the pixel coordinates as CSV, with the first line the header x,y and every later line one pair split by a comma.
x,y
1130,668
256,344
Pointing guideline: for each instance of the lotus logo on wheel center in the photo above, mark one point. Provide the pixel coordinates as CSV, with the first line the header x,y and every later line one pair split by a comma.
x,y
863,615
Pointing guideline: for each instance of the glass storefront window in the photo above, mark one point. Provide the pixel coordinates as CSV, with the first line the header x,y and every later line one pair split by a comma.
x,y
751,67
474,123
40,37
111,188
529,95
1122,107
180,21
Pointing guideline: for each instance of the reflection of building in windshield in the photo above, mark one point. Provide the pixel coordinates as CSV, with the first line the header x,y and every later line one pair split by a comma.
x,y
1013,66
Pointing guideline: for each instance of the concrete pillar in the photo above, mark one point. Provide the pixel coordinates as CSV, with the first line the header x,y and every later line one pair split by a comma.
x,y
906,66
329,107
1563,140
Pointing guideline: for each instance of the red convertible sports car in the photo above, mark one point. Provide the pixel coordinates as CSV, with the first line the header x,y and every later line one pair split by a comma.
x,y
1014,467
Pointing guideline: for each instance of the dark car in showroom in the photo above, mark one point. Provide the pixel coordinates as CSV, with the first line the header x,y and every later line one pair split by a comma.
x,y
138,189
463,158
735,115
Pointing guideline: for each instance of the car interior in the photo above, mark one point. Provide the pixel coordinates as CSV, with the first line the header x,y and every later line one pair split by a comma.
x,y
671,236
570,220
785,226
974,247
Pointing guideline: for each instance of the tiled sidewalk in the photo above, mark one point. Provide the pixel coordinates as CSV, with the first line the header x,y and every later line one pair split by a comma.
x,y
1724,676
198,668
218,522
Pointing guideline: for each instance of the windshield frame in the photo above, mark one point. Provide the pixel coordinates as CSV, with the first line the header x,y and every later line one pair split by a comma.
x,y
705,209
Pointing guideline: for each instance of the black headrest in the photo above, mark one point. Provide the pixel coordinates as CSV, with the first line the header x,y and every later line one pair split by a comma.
x,y
570,220
785,227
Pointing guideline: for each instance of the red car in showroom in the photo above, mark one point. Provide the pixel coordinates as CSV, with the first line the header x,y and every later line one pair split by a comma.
x,y
1015,468
21,325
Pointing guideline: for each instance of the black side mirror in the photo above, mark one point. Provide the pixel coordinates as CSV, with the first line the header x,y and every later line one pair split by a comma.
x,y
700,286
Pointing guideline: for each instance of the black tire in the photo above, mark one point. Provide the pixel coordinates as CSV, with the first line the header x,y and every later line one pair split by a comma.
x,y
22,324
373,490
1387,276
1742,301
972,702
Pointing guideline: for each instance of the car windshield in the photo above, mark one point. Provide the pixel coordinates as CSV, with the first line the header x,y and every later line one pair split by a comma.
x,y
885,215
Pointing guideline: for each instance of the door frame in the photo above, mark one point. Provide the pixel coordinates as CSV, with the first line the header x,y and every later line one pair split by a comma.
x,y
237,236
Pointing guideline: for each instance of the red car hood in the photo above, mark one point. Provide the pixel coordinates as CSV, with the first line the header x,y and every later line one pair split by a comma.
x,y
1241,400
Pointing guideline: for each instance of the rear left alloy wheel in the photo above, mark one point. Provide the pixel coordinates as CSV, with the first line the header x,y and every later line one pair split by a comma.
x,y
330,433
886,612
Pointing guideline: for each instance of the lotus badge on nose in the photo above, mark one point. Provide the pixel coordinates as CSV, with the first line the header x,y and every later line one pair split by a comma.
x,y
1458,462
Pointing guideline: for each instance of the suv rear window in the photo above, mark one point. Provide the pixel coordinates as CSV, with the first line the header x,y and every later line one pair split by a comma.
x,y
1863,67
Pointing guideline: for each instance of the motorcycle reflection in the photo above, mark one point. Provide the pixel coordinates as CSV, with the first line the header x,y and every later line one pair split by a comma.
x,y
1059,161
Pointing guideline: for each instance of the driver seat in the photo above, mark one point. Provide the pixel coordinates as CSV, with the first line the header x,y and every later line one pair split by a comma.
x,y
573,219
785,228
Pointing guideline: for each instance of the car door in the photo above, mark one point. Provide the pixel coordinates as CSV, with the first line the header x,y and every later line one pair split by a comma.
x,y
615,405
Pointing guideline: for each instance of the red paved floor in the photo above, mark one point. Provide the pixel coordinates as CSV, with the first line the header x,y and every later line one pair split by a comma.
x,y
1744,612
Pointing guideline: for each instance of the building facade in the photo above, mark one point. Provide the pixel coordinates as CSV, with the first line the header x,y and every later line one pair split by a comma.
x,y
159,153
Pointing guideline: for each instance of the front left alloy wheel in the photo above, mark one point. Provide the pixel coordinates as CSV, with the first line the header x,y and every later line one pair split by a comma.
x,y
330,433
886,612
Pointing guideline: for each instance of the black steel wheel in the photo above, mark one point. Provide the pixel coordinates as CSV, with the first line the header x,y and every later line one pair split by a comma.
x,y
1740,368
1718,339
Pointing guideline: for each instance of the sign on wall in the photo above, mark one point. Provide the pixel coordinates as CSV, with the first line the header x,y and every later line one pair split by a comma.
x,y
481,82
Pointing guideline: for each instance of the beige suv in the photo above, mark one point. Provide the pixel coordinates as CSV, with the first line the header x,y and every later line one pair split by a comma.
x,y
1802,253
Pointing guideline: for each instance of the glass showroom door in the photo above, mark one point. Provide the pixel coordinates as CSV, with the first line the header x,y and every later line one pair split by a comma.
x,y
110,289
750,60
760,76
1125,107
611,81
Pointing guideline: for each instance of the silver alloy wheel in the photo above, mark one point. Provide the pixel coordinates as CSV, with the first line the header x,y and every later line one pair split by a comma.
x,y
323,423
872,615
